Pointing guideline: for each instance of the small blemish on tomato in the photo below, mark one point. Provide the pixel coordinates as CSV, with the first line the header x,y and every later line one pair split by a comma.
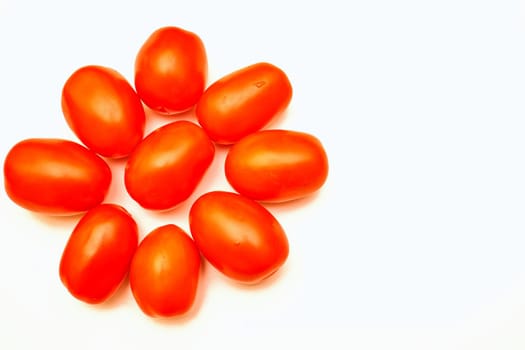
x,y
260,84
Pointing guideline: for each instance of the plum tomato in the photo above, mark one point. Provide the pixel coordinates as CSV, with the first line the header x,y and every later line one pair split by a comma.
x,y
243,102
238,236
55,176
98,253
164,272
103,110
168,164
171,69
276,165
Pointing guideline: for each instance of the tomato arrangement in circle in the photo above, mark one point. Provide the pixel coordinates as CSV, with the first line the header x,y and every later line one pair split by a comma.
x,y
103,110
234,231
98,253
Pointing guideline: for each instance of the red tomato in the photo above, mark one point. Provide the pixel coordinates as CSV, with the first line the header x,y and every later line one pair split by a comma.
x,y
55,176
170,70
164,272
276,165
98,253
243,102
103,110
238,236
168,164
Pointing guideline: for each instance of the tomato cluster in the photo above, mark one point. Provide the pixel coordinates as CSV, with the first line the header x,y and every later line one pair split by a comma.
x,y
233,231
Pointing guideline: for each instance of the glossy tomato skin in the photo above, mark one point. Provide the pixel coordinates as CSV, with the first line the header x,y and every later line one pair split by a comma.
x,y
171,70
238,236
98,253
103,110
243,102
168,164
54,176
277,165
164,272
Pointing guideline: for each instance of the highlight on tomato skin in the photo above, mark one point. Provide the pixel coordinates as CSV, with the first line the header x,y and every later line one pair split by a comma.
x,y
55,176
103,110
98,253
238,236
166,167
277,165
171,70
165,272
243,102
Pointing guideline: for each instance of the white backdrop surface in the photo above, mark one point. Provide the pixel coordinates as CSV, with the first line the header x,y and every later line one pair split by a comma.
x,y
416,240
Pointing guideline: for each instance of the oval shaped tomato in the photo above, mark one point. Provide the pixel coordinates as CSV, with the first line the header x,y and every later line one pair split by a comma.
x,y
98,253
164,272
103,110
238,236
277,165
243,102
171,70
55,176
168,164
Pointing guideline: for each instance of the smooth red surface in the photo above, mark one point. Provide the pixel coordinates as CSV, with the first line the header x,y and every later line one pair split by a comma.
x,y
168,164
277,165
238,236
243,102
98,253
55,176
171,70
164,272
103,110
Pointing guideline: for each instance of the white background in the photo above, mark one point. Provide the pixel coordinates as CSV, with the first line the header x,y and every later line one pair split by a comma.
x,y
417,239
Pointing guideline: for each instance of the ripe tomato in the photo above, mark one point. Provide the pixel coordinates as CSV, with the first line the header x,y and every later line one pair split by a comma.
x,y
171,70
98,253
168,164
243,102
276,165
238,236
164,272
55,176
103,110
